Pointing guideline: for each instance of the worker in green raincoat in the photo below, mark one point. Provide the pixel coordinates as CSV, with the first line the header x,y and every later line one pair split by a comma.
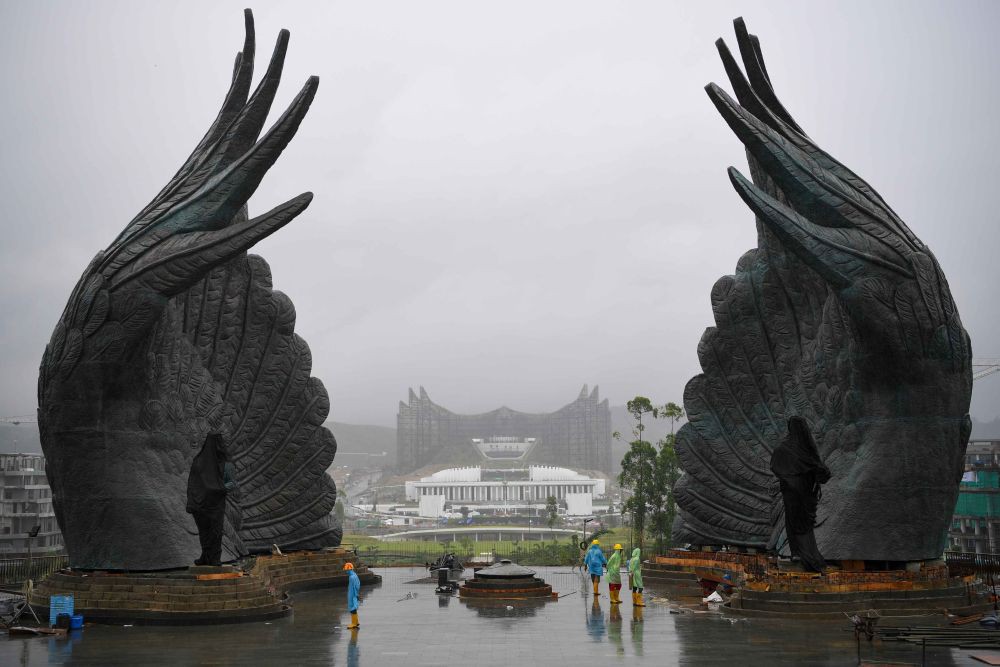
x,y
615,575
635,572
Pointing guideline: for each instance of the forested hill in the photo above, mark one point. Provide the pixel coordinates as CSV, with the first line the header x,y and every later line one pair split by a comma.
x,y
350,438
373,440
355,439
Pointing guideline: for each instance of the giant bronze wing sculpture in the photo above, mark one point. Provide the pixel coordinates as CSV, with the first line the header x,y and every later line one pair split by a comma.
x,y
174,331
842,316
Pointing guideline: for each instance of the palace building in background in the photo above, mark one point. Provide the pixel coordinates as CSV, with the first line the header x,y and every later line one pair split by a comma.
x,y
576,436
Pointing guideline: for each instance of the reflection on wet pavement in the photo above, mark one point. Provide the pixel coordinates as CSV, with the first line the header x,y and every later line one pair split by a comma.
x,y
406,623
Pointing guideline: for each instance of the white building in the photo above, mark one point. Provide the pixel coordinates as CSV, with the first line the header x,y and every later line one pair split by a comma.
x,y
26,502
517,490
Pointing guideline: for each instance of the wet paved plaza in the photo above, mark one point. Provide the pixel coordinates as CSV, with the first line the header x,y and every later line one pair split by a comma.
x,y
408,624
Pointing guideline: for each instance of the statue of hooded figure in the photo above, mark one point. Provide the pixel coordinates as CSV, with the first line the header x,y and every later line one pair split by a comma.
x,y
800,471
211,478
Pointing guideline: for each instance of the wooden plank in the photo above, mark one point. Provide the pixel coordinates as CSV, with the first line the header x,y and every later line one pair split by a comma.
x,y
966,619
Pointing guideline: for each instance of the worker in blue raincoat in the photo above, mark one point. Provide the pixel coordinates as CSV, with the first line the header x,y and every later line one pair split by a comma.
x,y
595,562
353,588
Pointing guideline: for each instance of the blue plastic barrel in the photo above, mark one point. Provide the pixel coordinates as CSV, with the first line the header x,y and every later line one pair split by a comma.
x,y
76,622
59,604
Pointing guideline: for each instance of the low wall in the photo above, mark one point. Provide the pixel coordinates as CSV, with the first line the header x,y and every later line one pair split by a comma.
x,y
255,591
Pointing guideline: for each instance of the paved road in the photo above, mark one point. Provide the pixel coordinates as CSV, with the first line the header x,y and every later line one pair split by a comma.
x,y
407,624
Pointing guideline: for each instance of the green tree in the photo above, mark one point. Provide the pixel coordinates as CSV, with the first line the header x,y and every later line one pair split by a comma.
x,y
637,407
638,469
667,473
662,507
670,411
638,476
552,511
649,473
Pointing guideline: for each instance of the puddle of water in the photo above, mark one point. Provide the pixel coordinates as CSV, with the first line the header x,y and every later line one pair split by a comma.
x,y
403,622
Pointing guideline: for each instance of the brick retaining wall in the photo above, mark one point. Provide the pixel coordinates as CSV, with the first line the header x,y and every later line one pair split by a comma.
x,y
186,597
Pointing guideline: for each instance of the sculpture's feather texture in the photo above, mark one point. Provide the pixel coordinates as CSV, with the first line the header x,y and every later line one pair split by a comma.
x,y
842,316
174,331
274,410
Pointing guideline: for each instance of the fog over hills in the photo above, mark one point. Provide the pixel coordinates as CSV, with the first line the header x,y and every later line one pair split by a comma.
x,y
351,438
360,444
363,444
371,441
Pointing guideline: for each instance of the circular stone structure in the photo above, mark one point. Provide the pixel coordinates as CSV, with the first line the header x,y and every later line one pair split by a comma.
x,y
505,581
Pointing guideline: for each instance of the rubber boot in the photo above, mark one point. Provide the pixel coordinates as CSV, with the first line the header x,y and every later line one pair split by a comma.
x,y
596,592
354,621
637,599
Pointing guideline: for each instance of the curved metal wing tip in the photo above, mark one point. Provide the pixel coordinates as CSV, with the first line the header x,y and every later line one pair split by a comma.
x,y
249,39
756,72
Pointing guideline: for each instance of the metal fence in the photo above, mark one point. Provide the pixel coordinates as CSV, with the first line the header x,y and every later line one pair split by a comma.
x,y
15,571
962,563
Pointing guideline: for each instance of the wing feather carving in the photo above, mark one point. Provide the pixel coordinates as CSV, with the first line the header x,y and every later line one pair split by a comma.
x,y
174,331
841,316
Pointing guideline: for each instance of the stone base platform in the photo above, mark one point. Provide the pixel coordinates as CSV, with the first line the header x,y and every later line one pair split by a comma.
x,y
678,580
766,587
306,570
255,590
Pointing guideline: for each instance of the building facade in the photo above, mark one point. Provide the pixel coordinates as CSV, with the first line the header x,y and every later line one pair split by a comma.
x,y
507,490
577,435
975,527
26,502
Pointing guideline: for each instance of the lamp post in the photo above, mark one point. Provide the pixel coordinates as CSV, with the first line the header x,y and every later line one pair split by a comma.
x,y
32,534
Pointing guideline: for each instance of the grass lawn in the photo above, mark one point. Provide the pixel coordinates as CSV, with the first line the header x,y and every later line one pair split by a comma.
x,y
531,552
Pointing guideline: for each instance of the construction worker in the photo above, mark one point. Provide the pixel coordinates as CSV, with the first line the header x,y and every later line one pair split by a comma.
x,y
353,588
595,562
635,573
615,575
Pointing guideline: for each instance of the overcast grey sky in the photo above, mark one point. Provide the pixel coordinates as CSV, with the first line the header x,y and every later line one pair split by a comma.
x,y
512,198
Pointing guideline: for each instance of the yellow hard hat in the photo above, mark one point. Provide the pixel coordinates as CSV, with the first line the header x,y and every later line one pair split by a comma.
x,y
348,566
595,542
618,546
